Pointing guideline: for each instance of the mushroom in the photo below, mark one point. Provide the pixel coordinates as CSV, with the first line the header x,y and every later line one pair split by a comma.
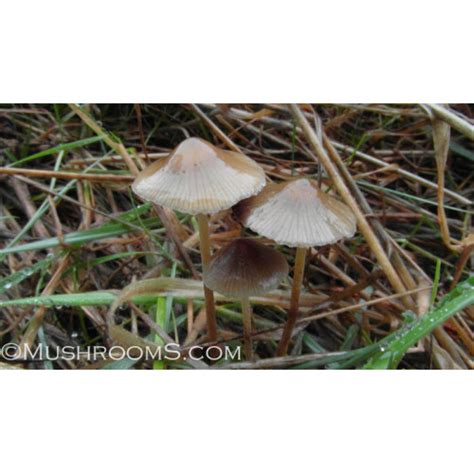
x,y
198,178
299,214
242,269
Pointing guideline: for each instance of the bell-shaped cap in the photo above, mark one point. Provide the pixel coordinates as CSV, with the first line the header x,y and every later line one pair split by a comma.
x,y
297,214
245,268
199,178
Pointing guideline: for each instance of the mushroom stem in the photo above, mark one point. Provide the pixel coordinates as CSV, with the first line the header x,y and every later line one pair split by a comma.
x,y
247,322
208,294
298,272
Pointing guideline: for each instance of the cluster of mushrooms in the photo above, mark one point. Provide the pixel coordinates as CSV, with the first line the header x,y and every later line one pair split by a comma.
x,y
200,179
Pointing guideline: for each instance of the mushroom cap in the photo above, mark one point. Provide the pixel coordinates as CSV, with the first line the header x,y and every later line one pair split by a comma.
x,y
297,214
199,178
245,268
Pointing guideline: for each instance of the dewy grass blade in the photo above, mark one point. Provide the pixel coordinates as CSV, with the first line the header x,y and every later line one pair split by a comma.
x,y
17,277
394,347
147,291
93,298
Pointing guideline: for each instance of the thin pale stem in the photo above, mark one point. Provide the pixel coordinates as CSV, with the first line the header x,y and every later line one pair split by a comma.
x,y
441,136
247,322
208,294
190,316
298,273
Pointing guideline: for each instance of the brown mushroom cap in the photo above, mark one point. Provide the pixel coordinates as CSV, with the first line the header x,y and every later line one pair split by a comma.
x,y
297,214
199,178
245,268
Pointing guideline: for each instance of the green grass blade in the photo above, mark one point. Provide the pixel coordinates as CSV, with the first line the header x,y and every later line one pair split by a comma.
x,y
392,350
410,197
36,216
160,318
105,231
57,149
17,277
461,151
92,298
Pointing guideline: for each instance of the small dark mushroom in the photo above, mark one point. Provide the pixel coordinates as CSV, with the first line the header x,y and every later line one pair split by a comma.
x,y
242,269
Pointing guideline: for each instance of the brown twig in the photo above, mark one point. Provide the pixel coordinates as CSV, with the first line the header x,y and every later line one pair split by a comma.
x,y
36,173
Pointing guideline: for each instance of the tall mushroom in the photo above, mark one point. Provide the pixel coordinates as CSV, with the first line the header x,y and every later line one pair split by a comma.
x,y
242,269
198,178
298,214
